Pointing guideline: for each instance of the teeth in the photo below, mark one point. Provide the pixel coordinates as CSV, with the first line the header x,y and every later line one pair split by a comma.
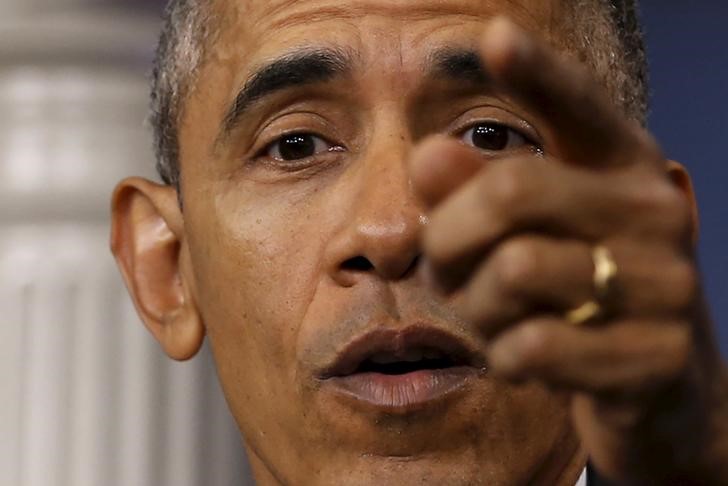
x,y
409,356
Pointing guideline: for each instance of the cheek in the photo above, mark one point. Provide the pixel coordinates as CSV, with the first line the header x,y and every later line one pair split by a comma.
x,y
256,271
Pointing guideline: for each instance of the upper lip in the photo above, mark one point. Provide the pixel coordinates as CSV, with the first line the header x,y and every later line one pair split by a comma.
x,y
398,342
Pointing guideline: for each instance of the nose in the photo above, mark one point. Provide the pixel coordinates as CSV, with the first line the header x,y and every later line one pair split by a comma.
x,y
380,236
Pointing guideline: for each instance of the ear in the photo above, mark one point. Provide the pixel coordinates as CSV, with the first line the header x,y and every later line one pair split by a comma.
x,y
679,176
147,240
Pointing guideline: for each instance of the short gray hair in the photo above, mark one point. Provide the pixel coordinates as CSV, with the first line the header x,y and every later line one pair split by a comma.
x,y
611,44
186,34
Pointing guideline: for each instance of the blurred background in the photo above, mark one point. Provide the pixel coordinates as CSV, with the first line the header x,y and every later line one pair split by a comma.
x,y
86,397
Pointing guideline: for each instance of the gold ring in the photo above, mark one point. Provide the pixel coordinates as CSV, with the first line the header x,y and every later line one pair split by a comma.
x,y
605,273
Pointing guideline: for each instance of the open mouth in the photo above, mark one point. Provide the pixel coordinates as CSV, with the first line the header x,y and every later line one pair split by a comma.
x,y
413,360
402,371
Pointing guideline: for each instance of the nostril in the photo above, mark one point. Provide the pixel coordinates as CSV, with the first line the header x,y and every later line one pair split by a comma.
x,y
357,264
414,265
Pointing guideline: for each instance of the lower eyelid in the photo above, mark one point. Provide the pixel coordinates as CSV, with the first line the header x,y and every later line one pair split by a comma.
x,y
320,160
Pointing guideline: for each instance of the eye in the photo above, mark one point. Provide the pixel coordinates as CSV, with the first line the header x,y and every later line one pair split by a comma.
x,y
297,146
494,137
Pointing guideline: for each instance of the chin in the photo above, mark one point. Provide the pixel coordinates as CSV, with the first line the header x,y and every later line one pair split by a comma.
x,y
432,469
476,430
483,432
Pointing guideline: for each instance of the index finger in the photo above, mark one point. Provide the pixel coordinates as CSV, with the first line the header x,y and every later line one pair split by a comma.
x,y
588,127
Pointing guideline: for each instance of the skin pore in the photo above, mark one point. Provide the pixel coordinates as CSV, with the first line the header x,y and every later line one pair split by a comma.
x,y
282,261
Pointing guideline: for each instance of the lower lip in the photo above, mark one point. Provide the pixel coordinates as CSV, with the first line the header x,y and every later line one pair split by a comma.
x,y
406,392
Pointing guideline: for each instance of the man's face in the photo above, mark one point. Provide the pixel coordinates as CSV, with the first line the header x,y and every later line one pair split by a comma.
x,y
338,361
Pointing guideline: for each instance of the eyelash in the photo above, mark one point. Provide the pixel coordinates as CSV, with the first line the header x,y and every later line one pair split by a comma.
x,y
303,162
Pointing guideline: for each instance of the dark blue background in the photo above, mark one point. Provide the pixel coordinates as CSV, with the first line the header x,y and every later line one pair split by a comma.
x,y
688,51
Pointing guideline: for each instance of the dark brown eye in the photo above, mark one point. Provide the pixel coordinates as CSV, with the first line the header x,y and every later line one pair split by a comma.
x,y
493,137
297,146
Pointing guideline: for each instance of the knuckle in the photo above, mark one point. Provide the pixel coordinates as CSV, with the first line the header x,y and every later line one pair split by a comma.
x,y
516,264
684,285
677,215
678,350
507,187
673,207
640,145
669,205
649,147
663,205
647,197
534,345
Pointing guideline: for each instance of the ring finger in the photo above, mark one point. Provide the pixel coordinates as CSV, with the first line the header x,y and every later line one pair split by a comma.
x,y
530,274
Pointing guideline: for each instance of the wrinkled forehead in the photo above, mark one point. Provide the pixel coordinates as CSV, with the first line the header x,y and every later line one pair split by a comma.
x,y
278,12
253,30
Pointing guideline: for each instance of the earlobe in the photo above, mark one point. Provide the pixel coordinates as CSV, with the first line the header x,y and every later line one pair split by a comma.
x,y
681,178
147,240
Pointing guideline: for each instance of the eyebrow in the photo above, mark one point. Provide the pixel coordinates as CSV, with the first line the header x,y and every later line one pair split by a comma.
x,y
459,64
316,65
295,69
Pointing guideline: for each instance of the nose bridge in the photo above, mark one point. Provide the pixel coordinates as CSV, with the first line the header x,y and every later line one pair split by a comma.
x,y
386,197
385,218
388,216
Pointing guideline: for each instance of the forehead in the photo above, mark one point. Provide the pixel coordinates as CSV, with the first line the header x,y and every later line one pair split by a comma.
x,y
281,12
257,29
390,41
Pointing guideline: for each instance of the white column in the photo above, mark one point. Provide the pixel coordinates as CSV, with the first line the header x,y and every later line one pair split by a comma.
x,y
88,398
